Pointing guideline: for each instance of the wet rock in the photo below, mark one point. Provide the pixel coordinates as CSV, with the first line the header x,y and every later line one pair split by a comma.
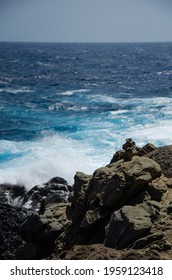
x,y
12,194
56,190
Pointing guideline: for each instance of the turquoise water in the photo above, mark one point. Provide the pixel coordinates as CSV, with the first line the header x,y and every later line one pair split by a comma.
x,y
69,107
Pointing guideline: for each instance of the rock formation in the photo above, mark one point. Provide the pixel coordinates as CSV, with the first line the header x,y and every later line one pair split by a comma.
x,y
122,211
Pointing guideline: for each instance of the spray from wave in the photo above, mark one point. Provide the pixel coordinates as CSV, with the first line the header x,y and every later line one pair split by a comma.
x,y
43,159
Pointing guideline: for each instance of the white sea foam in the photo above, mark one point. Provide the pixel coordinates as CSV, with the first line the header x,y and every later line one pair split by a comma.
x,y
72,92
55,155
77,108
16,90
104,98
65,106
158,133
118,112
58,156
46,158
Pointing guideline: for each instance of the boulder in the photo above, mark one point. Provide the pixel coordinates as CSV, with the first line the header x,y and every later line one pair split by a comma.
x,y
108,189
129,224
117,183
40,232
157,188
163,156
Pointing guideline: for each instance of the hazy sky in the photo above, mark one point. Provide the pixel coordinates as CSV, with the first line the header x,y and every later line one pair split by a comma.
x,y
85,20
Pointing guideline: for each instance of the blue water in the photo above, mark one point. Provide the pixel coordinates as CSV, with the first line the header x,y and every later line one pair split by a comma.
x,y
69,107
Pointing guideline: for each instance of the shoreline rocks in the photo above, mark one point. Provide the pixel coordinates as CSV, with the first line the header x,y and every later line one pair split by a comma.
x,y
122,211
18,207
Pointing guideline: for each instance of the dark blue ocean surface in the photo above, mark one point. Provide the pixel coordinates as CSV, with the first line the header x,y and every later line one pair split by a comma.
x,y
69,107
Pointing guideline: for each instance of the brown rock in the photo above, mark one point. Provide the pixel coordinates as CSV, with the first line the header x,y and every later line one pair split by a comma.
x,y
129,224
115,184
163,156
100,252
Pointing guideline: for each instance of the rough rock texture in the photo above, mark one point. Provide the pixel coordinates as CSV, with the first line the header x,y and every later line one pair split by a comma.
x,y
100,252
11,194
45,209
10,220
163,156
129,224
117,183
95,198
125,205
121,211
129,149
40,232
56,190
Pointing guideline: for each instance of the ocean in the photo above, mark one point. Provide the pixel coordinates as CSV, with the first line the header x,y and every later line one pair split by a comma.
x,y
67,107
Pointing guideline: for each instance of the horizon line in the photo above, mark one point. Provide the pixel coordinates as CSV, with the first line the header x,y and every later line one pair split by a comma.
x,y
87,42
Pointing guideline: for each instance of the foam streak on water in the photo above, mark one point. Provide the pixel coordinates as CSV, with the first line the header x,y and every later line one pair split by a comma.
x,y
69,107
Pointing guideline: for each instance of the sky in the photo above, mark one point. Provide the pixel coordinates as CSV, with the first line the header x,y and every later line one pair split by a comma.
x,y
86,20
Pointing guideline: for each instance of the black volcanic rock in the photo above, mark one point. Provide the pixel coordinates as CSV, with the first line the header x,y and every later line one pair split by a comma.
x,y
55,190
11,194
11,219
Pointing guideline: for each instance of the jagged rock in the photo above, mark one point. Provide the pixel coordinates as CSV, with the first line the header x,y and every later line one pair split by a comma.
x,y
10,220
81,182
96,197
129,224
163,156
126,204
115,184
40,232
11,194
56,190
157,188
148,148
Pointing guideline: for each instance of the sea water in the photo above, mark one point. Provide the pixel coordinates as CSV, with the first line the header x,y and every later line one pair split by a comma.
x,y
69,107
